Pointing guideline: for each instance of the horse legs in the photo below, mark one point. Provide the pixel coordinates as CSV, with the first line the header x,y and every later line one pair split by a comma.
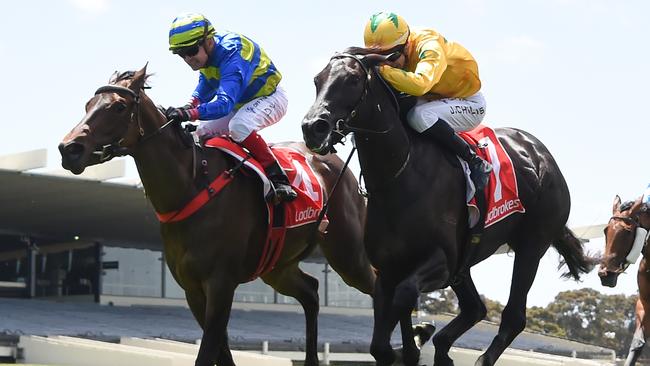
x,y
639,338
405,354
214,343
513,317
472,310
384,323
292,281
346,253
404,301
390,306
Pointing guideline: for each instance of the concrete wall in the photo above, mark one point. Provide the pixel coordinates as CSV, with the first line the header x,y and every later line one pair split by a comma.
x,y
69,351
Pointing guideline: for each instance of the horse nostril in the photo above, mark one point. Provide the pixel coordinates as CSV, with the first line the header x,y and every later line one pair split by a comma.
x,y
321,127
73,150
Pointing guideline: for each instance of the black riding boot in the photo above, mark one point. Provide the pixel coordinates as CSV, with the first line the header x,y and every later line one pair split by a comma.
x,y
283,190
443,134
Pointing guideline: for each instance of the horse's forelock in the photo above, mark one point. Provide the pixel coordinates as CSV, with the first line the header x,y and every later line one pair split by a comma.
x,y
125,76
626,206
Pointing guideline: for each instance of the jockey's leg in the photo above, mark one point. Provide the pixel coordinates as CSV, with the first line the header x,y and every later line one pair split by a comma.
x,y
444,135
252,117
441,119
262,153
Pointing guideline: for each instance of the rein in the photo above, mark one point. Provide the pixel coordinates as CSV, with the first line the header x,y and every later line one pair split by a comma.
x,y
115,149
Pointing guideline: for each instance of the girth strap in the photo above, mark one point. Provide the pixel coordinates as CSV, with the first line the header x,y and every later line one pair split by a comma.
x,y
199,200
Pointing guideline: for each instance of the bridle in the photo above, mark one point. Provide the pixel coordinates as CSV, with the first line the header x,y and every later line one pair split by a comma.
x,y
633,221
344,124
116,149
635,225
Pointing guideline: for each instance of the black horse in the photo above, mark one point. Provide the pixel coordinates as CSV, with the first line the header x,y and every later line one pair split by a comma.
x,y
416,228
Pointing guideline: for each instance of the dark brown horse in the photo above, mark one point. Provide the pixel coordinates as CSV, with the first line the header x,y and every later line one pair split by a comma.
x,y
213,251
625,240
416,228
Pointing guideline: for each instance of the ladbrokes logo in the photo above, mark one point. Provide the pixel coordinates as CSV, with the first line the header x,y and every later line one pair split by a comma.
x,y
506,207
306,214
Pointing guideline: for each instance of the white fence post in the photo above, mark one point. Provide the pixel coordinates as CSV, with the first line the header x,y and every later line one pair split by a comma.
x,y
326,353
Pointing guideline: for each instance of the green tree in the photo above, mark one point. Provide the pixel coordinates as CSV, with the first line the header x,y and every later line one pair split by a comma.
x,y
440,301
543,321
584,315
588,316
494,309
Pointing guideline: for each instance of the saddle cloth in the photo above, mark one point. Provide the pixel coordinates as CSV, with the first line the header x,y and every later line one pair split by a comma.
x,y
501,193
305,209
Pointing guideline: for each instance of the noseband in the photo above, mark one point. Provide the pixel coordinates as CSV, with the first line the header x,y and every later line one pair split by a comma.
x,y
115,149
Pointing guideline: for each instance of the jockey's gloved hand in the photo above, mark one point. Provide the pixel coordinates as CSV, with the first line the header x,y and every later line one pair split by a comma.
x,y
181,114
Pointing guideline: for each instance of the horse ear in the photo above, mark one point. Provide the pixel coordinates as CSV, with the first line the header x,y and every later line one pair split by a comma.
x,y
636,206
139,78
373,59
616,205
113,77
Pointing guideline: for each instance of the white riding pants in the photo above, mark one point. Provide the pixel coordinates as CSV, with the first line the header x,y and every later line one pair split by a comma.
x,y
252,116
462,114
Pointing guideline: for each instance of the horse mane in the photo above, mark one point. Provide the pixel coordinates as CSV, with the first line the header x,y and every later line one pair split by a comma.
x,y
362,51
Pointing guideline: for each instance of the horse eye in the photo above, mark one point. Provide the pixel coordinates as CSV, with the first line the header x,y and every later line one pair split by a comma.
x,y
120,107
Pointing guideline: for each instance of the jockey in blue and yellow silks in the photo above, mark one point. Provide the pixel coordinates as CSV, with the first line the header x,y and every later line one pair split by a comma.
x,y
444,77
237,93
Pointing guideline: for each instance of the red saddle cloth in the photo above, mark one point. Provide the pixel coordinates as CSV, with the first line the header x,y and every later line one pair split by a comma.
x,y
501,193
301,211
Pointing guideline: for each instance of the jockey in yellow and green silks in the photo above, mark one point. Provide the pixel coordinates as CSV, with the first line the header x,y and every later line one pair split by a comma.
x,y
237,93
442,74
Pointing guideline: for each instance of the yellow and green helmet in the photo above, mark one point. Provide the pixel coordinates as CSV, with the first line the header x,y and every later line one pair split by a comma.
x,y
385,30
188,29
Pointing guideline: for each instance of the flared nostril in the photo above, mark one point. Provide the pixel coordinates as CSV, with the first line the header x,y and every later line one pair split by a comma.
x,y
321,127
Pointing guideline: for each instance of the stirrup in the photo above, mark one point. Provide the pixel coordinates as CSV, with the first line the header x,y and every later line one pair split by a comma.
x,y
281,192
480,174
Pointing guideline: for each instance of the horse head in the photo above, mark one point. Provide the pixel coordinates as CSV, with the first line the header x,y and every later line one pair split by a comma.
x,y
112,125
342,101
624,239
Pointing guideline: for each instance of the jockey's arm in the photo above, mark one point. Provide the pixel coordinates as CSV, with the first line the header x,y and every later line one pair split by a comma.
x,y
203,92
232,80
427,73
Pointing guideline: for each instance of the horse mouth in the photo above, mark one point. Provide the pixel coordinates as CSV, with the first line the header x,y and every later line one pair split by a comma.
x,y
317,136
608,278
73,157
321,148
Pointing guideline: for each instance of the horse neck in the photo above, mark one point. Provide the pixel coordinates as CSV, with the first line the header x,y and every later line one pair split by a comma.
x,y
382,156
166,166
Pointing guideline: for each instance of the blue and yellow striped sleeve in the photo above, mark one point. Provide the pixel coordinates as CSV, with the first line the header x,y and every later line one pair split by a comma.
x,y
204,92
241,71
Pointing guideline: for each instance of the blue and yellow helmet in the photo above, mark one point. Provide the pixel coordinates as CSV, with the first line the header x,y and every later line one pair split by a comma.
x,y
385,30
189,29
